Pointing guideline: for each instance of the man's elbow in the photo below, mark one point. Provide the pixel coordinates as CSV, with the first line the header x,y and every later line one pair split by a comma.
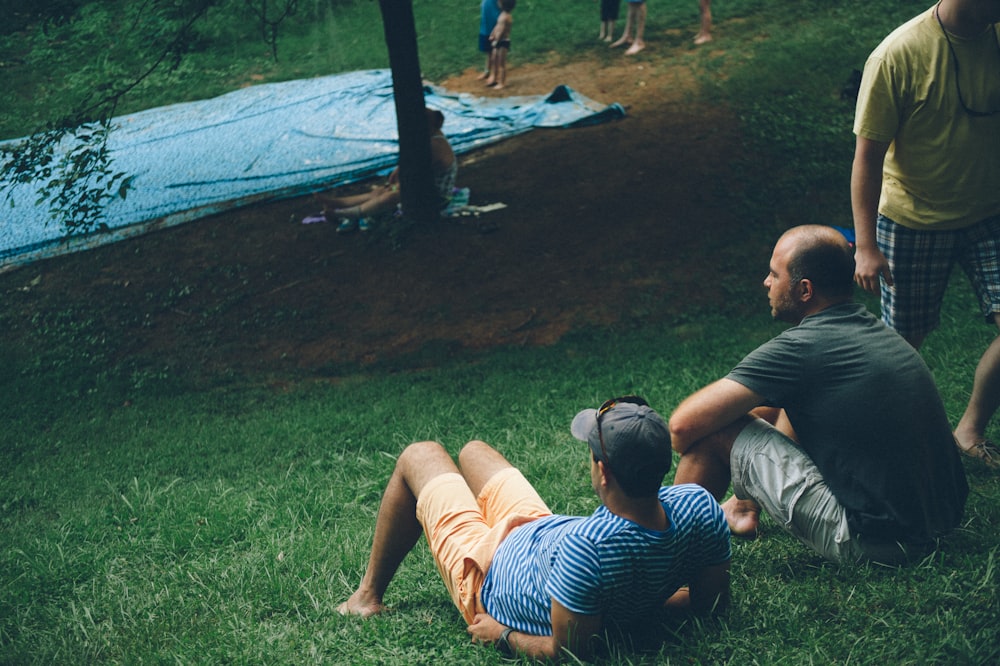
x,y
681,433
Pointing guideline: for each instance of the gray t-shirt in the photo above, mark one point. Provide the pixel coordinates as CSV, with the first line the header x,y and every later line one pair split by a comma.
x,y
865,408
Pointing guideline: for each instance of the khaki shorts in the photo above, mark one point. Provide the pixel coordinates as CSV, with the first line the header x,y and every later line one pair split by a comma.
x,y
772,470
464,532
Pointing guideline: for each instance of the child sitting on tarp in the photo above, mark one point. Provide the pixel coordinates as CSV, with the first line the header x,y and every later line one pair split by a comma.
x,y
354,209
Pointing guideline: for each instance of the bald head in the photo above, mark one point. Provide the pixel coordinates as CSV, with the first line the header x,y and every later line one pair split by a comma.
x,y
823,256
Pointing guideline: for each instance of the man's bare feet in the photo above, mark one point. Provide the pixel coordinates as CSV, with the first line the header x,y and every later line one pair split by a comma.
x,y
362,606
702,38
482,75
635,48
621,42
743,517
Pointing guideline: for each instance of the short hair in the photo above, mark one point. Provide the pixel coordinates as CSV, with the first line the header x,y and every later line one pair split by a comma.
x,y
434,118
823,256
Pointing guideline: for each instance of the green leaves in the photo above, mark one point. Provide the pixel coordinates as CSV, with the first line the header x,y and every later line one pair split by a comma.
x,y
74,172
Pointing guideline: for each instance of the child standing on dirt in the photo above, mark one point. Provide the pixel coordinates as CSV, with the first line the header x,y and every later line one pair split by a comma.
x,y
609,14
635,24
500,39
489,11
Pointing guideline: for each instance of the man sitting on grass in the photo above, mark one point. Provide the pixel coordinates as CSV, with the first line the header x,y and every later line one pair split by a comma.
x,y
540,584
856,456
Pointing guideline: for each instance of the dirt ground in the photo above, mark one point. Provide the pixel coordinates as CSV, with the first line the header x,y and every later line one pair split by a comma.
x,y
603,225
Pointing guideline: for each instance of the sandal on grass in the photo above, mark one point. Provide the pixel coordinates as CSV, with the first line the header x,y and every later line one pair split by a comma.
x,y
984,450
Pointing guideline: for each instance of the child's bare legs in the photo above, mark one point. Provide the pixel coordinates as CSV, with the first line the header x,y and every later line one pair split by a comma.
x,y
491,79
705,33
379,201
501,67
607,31
629,23
329,202
640,27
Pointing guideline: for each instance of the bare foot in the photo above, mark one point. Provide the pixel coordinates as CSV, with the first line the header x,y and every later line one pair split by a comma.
x,y
702,38
743,517
358,604
498,86
490,82
621,42
608,38
482,75
635,48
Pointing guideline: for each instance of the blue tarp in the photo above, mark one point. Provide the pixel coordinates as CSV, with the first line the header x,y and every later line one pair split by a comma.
x,y
266,142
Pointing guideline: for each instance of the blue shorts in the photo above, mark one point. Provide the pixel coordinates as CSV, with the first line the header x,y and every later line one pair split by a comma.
x,y
921,264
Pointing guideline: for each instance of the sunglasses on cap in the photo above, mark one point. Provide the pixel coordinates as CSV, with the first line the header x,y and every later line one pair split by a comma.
x,y
607,407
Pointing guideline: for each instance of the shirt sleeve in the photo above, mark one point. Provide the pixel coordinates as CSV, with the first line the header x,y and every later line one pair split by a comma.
x,y
879,107
773,370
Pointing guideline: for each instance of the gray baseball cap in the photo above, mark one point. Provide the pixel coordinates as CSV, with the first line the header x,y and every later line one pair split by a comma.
x,y
636,439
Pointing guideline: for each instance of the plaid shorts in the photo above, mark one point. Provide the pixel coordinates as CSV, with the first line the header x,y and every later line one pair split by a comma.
x,y
921,263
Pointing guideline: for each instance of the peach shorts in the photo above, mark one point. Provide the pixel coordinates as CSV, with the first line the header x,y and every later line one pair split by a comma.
x,y
464,531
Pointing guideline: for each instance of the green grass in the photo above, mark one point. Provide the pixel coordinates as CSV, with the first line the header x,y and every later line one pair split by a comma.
x,y
225,525
146,517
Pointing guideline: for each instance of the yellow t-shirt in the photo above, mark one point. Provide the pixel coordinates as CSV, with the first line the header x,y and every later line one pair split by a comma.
x,y
942,170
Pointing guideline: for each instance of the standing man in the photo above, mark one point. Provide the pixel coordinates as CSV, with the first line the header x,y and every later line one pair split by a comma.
x,y
545,585
925,185
855,457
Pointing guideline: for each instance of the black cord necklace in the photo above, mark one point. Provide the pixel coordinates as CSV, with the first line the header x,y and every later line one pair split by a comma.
x,y
954,59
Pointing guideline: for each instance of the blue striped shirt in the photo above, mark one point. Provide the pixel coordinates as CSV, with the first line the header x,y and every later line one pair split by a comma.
x,y
603,564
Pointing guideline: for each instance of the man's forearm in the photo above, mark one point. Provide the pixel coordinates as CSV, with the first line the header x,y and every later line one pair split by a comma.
x,y
866,188
535,647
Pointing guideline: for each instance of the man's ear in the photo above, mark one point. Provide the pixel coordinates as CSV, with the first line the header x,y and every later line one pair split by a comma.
x,y
605,473
806,291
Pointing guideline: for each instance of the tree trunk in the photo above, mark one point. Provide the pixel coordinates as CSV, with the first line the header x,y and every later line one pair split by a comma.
x,y
419,199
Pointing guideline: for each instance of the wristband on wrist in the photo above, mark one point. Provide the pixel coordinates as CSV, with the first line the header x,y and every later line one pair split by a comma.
x,y
503,643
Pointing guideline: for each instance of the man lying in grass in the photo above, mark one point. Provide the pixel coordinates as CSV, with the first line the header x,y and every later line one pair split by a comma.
x,y
856,456
539,584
